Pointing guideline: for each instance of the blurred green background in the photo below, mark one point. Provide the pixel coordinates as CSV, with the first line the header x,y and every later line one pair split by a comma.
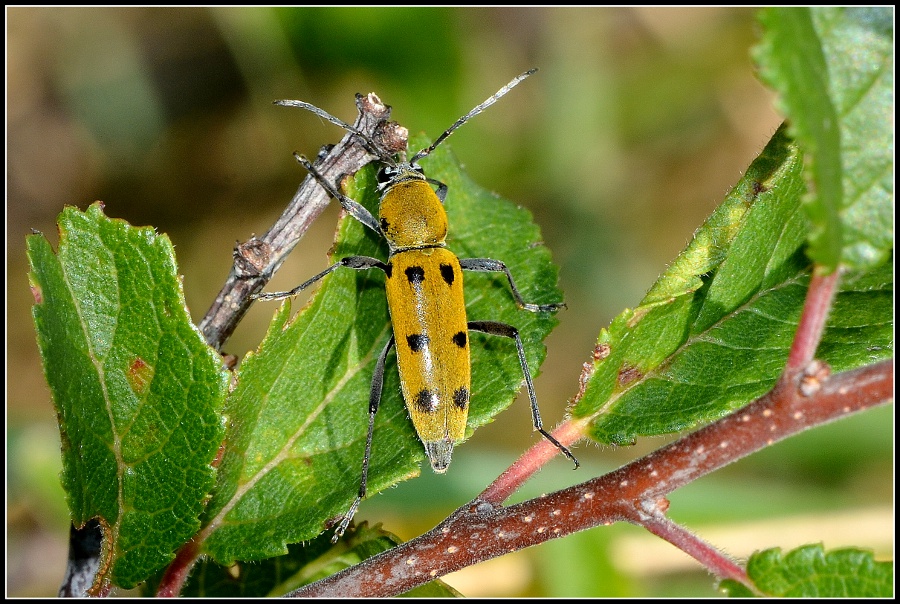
x,y
635,127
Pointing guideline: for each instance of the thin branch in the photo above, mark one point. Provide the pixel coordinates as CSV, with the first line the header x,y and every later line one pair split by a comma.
x,y
256,260
480,531
812,322
531,461
718,562
176,574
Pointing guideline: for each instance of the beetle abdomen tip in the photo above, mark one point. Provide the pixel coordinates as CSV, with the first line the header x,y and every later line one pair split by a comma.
x,y
439,452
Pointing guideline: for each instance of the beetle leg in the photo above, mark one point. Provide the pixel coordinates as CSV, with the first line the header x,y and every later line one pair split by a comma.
x,y
374,402
495,266
354,262
353,208
495,328
441,188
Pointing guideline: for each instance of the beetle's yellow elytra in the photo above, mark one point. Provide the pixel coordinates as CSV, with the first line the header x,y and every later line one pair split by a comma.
x,y
425,296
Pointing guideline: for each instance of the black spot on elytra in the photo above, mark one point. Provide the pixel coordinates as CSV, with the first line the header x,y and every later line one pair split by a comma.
x,y
417,341
461,397
385,225
389,269
460,339
447,273
415,274
424,402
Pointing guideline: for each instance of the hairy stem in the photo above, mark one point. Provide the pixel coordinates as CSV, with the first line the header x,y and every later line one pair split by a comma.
x,y
719,563
812,322
480,530
531,461
177,573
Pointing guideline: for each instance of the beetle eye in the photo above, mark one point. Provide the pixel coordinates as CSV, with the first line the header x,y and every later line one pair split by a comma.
x,y
385,174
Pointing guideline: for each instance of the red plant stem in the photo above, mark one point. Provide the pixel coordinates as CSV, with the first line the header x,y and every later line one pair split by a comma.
x,y
177,573
480,531
530,462
720,564
812,321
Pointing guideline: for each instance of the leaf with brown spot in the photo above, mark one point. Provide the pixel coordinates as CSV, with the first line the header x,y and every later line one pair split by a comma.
x,y
714,332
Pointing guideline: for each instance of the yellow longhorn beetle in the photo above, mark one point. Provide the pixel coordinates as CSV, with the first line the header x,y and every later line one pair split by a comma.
x,y
425,298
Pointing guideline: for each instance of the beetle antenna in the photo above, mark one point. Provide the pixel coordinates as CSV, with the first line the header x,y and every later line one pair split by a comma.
x,y
368,142
487,103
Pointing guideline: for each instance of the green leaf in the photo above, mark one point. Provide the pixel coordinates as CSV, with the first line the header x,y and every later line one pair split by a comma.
x,y
810,572
136,389
714,332
298,418
302,565
833,70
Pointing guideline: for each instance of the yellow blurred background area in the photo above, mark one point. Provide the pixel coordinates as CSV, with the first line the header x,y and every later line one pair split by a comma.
x,y
636,125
